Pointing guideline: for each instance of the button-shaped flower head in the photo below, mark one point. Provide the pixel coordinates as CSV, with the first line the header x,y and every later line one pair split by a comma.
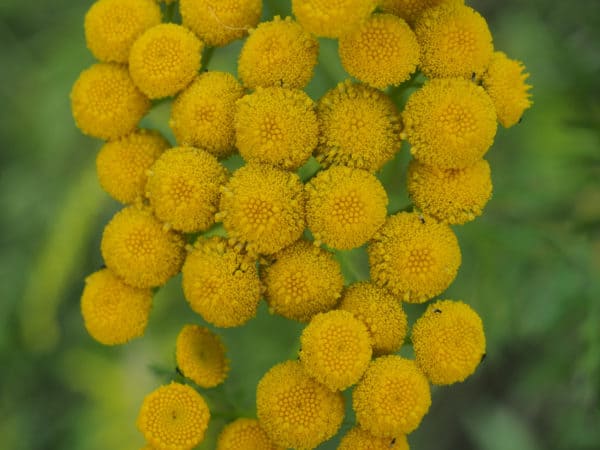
x,y
358,438
245,434
411,10
332,18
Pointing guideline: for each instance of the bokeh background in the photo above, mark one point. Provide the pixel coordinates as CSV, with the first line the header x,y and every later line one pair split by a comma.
x,y
531,263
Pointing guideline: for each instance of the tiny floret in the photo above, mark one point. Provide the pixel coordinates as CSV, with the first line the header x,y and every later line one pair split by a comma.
x,y
245,434
357,438
332,18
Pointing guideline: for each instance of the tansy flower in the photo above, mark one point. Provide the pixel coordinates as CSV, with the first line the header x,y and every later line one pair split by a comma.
x,y
114,312
140,250
245,434
382,51
173,417
332,18
392,397
411,10
276,126
121,165
111,26
303,281
358,438
449,342
449,123
359,127
184,188
345,207
202,115
414,257
164,60
105,102
295,410
336,349
278,53
220,284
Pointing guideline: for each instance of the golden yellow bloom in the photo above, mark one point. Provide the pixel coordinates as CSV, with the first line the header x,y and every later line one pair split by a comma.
x,y
245,434
449,342
184,188
357,439
345,207
392,397
111,26
174,417
105,102
164,60
220,284
410,10
219,22
114,312
505,82
295,410
359,127
382,51
381,312
276,126
414,257
304,280
139,249
332,18
202,115
449,123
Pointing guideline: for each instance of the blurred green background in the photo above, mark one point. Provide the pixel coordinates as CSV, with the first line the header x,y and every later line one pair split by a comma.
x,y
530,264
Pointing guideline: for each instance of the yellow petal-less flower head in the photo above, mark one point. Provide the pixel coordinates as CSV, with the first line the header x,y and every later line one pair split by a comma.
x,y
392,397
200,356
184,188
453,196
359,127
121,164
105,102
381,312
449,123
221,284
332,18
278,53
114,312
202,115
263,207
295,410
304,280
345,207
276,126
335,349
112,26
383,51
165,59
245,434
173,417
139,249
358,438
410,10
219,22
414,257
449,341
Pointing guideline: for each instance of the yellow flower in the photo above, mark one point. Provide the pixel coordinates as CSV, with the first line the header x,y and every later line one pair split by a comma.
x,y
200,356
140,250
219,22
410,10
122,164
173,417
345,207
449,342
381,312
449,123
359,127
245,434
304,280
114,312
335,349
278,53
276,126
295,410
164,60
220,284
202,115
392,397
414,257
382,51
184,188
111,26
505,82
453,196
357,439
105,102
332,18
